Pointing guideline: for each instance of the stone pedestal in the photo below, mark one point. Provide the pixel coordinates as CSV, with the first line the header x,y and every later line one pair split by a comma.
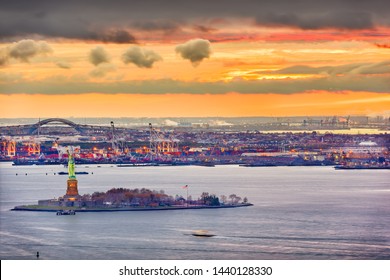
x,y
72,192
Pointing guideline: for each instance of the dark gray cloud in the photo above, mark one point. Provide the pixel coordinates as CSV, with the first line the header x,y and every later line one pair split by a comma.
x,y
111,21
113,36
337,19
98,55
58,28
157,25
204,29
194,50
141,57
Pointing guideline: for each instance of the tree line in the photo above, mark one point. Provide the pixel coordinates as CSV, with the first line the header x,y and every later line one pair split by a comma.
x,y
147,197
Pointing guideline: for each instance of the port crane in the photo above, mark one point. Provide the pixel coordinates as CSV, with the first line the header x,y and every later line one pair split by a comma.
x,y
118,145
159,144
8,148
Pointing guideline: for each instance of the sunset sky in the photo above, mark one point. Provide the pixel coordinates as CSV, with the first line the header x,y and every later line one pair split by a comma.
x,y
118,58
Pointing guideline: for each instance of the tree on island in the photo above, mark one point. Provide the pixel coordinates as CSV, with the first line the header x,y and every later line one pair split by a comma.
x,y
232,197
211,200
204,196
235,199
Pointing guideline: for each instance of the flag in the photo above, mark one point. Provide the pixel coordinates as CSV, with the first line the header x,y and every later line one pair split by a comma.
x,y
185,187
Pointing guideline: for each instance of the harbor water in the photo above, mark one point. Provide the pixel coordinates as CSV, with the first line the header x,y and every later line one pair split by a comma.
x,y
309,213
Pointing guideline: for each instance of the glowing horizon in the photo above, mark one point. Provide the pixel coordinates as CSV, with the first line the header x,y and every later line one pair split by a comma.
x,y
283,61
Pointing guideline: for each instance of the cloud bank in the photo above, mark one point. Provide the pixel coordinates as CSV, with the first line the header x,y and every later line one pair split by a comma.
x,y
115,21
375,83
194,50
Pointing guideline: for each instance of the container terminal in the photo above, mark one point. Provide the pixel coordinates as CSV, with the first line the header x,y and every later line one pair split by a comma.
x,y
172,143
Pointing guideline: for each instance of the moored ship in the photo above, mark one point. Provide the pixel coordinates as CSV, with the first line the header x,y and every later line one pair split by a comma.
x,y
362,166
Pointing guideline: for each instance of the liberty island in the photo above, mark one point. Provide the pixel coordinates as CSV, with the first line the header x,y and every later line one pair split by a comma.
x,y
124,199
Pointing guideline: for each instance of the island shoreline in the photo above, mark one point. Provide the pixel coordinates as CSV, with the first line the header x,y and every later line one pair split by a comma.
x,y
33,208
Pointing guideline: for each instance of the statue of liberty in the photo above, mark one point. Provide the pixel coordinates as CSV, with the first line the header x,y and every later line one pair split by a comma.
x,y
71,168
72,192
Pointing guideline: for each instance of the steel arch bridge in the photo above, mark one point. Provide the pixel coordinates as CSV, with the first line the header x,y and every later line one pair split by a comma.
x,y
64,121
35,127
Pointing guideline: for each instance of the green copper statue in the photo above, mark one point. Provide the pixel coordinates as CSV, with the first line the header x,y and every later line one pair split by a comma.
x,y
71,172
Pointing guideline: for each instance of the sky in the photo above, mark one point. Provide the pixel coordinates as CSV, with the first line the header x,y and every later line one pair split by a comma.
x,y
119,58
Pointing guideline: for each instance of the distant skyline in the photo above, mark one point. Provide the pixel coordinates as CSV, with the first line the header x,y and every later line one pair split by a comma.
x,y
186,59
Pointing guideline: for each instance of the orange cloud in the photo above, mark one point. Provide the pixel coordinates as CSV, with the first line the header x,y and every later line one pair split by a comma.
x,y
384,46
